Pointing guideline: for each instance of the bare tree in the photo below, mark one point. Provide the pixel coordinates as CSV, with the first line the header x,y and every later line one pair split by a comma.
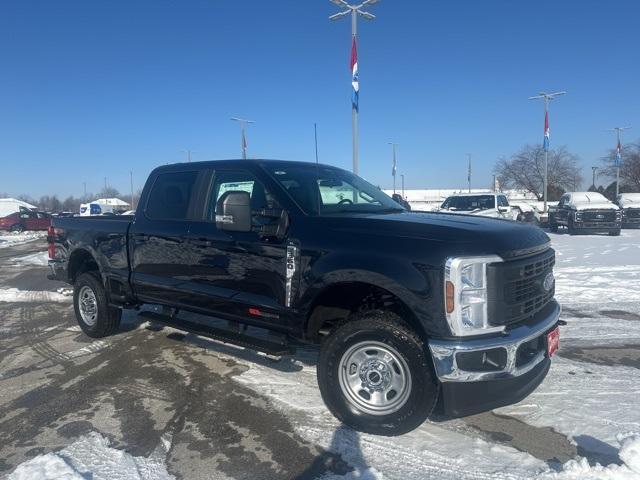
x,y
525,170
109,192
629,166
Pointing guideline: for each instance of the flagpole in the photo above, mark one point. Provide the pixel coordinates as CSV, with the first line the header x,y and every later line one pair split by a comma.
x,y
546,97
354,109
394,165
243,139
618,156
354,10
469,172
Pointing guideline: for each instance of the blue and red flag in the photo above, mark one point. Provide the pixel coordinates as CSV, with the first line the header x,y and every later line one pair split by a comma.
x,y
546,131
354,75
618,155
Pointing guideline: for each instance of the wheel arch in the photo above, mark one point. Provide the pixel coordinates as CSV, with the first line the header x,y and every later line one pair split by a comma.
x,y
81,261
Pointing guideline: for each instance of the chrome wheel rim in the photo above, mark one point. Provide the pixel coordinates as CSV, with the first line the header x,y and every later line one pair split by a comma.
x,y
374,378
88,306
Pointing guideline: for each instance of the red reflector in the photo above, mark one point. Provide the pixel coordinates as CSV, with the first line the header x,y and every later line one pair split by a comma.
x,y
255,311
52,251
553,341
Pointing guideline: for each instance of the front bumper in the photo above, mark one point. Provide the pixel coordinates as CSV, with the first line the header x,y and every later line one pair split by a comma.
x,y
448,354
468,388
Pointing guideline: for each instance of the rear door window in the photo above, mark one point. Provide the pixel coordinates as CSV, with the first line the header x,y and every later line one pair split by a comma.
x,y
171,196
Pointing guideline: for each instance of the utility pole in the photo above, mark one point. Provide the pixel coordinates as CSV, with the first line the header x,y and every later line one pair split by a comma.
x,y
494,184
618,155
402,178
315,134
131,179
469,172
84,184
105,183
394,165
547,97
354,11
243,139
593,182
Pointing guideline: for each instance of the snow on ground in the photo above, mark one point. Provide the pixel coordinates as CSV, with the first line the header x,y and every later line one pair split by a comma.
x,y
13,238
28,296
92,457
40,259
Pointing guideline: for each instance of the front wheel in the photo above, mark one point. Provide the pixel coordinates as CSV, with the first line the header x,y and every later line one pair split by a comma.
x,y
375,376
18,228
570,227
614,233
93,313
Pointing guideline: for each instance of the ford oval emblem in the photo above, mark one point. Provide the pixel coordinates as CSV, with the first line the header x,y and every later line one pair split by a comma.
x,y
547,283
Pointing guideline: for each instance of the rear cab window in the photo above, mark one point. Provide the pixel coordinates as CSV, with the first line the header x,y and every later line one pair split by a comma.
x,y
171,196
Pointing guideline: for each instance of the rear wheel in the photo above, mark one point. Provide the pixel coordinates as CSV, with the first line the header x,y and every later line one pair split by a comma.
x,y
93,313
17,228
614,233
374,375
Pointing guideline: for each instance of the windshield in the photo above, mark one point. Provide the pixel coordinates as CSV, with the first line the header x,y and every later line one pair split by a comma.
x,y
468,203
328,190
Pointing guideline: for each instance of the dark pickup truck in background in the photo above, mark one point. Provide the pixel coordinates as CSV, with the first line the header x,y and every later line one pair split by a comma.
x,y
417,314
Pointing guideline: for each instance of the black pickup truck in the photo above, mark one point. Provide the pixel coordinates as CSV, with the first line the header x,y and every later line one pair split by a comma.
x,y
417,314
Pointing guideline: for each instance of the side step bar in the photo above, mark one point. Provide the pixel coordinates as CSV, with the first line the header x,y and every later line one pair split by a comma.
x,y
225,336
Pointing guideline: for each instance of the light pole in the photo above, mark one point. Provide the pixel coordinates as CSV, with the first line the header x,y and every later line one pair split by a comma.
x,y
618,155
131,179
315,135
593,182
469,172
188,152
243,139
394,164
547,97
354,11
402,178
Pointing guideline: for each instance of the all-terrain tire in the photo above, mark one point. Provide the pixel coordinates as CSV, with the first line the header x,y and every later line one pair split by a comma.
x,y
93,313
384,332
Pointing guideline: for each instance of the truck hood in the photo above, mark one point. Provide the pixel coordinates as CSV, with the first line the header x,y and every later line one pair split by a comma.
x,y
455,233
595,206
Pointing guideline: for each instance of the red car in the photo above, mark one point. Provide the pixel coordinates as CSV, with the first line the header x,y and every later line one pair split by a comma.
x,y
25,220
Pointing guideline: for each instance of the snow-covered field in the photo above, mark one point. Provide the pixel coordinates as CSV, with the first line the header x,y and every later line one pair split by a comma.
x,y
591,397
8,239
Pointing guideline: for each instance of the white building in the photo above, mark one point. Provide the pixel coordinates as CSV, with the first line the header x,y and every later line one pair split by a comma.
x,y
12,205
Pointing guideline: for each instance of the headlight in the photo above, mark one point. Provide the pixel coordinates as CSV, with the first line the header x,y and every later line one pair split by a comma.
x,y
578,216
465,290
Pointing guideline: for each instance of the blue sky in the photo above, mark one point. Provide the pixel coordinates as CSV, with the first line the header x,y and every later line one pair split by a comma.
x,y
90,89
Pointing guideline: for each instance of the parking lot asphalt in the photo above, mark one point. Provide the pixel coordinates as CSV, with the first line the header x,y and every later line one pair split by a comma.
x,y
145,385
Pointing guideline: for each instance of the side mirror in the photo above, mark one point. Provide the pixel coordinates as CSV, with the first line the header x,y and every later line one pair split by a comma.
x,y
233,211
504,209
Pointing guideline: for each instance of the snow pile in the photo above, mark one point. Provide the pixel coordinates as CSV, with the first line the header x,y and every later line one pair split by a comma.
x,y
35,259
92,457
630,469
28,296
14,238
